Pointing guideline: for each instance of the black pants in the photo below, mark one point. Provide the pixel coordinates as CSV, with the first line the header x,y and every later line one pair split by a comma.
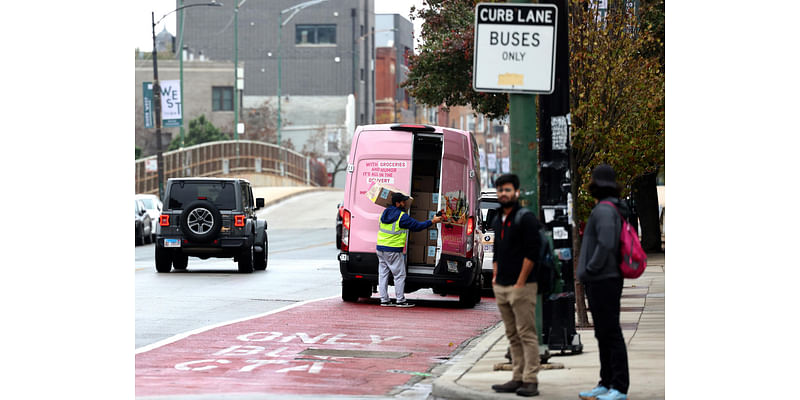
x,y
604,298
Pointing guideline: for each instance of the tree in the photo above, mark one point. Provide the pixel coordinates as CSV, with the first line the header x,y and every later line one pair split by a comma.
x,y
616,88
200,131
261,123
616,101
442,71
335,162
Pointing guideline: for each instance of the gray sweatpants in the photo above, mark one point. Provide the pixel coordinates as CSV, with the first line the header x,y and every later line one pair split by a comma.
x,y
394,263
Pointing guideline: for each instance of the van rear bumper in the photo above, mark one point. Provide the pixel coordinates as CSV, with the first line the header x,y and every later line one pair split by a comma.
x,y
363,267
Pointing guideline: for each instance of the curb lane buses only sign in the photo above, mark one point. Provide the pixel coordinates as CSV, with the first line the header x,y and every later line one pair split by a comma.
x,y
515,48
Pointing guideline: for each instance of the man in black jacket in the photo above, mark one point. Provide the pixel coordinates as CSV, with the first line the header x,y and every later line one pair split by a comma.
x,y
516,246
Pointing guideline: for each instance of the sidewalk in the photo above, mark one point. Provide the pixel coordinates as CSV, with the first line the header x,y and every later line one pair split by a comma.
x,y
470,374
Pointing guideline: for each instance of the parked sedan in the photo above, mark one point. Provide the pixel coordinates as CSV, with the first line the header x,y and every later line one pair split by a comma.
x,y
144,225
153,206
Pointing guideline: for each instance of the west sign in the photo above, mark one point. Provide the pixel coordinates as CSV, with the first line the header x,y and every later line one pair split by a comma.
x,y
515,48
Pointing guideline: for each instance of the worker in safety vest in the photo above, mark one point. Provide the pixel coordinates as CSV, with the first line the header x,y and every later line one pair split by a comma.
x,y
394,226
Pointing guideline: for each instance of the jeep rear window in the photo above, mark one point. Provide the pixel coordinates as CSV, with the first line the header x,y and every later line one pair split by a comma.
x,y
221,194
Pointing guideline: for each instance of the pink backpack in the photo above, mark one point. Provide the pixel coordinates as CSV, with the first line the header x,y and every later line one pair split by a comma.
x,y
633,259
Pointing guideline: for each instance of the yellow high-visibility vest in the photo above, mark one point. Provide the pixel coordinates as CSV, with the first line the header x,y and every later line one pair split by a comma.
x,y
390,235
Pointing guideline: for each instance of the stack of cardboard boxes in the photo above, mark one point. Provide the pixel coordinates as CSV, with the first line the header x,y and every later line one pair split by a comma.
x,y
422,245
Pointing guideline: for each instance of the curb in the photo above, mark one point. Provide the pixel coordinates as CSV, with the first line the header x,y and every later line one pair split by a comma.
x,y
297,193
446,387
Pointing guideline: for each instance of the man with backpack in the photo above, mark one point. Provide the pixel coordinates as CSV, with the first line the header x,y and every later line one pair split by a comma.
x,y
599,271
516,247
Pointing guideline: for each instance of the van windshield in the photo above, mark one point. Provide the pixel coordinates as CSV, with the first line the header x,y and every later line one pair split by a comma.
x,y
221,194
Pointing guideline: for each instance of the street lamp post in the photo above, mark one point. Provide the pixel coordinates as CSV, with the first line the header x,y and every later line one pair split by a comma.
x,y
157,91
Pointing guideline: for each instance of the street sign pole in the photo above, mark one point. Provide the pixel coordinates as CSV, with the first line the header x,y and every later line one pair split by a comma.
x,y
515,54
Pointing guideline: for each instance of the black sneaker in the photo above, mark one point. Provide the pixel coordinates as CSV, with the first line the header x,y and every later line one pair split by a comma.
x,y
387,304
404,304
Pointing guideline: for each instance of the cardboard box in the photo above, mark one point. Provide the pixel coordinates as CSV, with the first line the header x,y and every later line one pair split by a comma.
x,y
416,254
430,255
419,215
423,184
381,195
418,238
422,200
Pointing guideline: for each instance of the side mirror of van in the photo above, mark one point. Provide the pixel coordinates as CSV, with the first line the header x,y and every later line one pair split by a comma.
x,y
259,203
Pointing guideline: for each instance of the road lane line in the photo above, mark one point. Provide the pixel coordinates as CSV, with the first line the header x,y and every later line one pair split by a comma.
x,y
184,335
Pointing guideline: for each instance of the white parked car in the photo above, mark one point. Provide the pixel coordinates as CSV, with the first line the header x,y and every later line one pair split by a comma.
x,y
153,206
488,205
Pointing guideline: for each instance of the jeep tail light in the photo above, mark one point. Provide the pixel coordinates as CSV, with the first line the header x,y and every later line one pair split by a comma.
x,y
163,220
238,220
345,230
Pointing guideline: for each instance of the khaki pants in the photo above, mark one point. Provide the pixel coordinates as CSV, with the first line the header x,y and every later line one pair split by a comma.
x,y
518,307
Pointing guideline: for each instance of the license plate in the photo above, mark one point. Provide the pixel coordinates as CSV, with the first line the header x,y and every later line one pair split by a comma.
x,y
452,266
172,243
488,247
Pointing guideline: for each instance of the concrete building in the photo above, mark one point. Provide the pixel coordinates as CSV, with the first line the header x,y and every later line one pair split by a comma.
x,y
327,52
204,84
394,42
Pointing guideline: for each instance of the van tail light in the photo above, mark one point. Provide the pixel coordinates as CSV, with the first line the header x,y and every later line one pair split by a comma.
x,y
163,220
345,230
238,220
470,236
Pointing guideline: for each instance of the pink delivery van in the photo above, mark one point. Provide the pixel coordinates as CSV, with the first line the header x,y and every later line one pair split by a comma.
x,y
439,168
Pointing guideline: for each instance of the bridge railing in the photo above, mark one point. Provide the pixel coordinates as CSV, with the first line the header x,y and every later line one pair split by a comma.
x,y
220,158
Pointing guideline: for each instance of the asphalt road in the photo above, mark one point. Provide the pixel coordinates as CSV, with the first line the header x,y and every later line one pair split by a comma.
x,y
302,265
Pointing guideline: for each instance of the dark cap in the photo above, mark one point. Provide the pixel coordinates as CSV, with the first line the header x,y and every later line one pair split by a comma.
x,y
603,176
398,197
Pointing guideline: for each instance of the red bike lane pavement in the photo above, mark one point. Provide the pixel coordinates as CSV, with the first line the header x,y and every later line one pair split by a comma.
x,y
320,347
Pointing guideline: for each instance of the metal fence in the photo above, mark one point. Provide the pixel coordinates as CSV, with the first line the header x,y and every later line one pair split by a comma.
x,y
220,158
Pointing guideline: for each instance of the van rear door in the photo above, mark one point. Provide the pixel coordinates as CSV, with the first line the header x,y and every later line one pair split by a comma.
x,y
453,186
380,156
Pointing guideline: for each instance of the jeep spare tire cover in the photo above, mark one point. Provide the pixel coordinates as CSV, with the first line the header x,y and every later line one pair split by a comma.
x,y
201,221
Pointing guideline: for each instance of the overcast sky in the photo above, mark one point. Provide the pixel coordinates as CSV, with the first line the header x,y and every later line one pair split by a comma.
x,y
143,38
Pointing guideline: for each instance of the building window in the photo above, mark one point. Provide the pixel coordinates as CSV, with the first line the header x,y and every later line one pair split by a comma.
x,y
315,34
222,98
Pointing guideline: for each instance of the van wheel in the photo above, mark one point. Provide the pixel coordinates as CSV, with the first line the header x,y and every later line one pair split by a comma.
x,y
472,295
350,291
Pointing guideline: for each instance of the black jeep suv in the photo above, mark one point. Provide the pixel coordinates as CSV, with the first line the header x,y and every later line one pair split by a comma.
x,y
210,217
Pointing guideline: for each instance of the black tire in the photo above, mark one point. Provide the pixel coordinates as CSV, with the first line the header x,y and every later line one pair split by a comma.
x,y
246,260
262,257
350,291
140,237
180,261
201,221
472,295
163,259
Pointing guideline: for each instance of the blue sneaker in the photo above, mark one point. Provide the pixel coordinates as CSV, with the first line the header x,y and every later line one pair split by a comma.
x,y
613,394
592,394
